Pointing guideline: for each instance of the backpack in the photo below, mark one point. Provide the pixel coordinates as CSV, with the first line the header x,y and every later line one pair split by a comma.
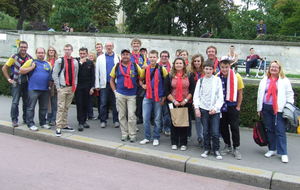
x,y
291,113
260,134
159,67
118,64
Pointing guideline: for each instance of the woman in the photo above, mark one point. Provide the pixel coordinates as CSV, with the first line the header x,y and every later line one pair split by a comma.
x,y
90,113
179,90
52,107
232,55
185,55
196,70
274,92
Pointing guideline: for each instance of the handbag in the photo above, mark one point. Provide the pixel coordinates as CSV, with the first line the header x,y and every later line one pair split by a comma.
x,y
260,133
180,117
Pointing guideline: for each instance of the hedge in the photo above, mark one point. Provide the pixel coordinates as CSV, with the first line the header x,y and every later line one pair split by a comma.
x,y
248,110
275,37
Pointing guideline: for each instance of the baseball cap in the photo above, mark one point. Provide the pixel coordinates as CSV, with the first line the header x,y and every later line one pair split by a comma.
x,y
125,50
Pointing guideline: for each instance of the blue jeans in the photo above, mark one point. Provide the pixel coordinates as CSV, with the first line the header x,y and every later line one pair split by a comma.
x,y
18,91
210,130
33,97
166,118
107,97
250,64
199,128
149,106
51,116
275,126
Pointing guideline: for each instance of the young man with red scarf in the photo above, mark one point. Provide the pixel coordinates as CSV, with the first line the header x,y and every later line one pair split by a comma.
x,y
211,52
154,97
123,82
141,60
233,85
65,74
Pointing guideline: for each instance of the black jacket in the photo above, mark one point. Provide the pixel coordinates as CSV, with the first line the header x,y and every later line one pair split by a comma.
x,y
86,75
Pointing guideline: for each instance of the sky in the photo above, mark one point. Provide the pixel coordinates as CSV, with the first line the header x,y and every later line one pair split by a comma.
x,y
239,2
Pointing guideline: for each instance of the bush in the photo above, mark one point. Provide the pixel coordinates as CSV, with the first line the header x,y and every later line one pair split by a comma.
x,y
273,37
4,86
7,22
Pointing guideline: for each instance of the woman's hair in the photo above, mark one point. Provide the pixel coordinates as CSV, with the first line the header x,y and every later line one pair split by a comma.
x,y
281,73
173,70
55,53
182,51
94,54
192,67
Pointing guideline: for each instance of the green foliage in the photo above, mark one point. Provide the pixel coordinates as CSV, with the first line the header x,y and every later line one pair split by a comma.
x,y
7,22
4,86
276,37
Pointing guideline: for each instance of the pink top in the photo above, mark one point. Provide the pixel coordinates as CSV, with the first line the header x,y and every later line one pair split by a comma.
x,y
185,86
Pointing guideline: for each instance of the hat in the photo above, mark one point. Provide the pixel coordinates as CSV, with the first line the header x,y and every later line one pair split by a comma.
x,y
125,50
226,59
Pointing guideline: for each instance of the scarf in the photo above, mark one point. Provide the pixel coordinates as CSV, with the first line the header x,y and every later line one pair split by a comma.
x,y
167,66
187,62
149,85
216,64
52,62
231,91
136,57
179,88
272,91
197,74
127,80
67,73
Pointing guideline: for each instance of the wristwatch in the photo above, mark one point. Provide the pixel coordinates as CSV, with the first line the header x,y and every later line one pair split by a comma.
x,y
186,100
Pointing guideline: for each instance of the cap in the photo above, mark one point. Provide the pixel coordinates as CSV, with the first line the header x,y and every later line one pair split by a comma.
x,y
125,50
226,59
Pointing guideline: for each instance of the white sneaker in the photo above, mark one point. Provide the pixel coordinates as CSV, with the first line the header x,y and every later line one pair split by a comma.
x,y
46,126
284,158
183,148
218,155
174,147
34,128
155,142
145,141
270,153
205,154
102,124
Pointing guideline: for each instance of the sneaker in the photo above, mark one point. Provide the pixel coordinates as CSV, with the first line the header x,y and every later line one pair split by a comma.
x,y
284,158
155,142
247,75
174,147
34,128
218,155
237,154
15,124
145,141
270,153
117,124
58,132
85,125
183,148
226,150
52,123
80,127
68,128
123,138
167,133
46,126
132,139
205,154
137,129
102,124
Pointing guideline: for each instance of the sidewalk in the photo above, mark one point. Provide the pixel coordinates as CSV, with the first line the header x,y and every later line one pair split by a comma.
x,y
251,153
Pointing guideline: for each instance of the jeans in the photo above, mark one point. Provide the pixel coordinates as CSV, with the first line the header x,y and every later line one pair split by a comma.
x,y
82,104
199,128
166,118
43,98
232,118
250,64
275,126
51,116
149,106
210,130
107,97
18,91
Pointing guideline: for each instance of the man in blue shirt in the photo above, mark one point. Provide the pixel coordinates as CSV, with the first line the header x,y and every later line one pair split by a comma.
x,y
39,74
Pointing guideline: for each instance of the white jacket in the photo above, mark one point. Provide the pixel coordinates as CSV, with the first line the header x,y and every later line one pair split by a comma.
x,y
285,93
100,71
217,98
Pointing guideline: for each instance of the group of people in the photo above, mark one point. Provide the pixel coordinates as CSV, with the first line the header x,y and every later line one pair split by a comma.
x,y
142,87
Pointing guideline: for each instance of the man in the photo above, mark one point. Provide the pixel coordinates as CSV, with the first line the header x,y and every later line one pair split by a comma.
x,y
141,60
211,52
19,82
126,75
85,87
164,61
251,61
261,28
104,65
206,35
65,74
233,96
99,49
39,77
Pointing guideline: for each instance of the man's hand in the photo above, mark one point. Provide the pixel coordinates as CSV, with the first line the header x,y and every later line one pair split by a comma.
x,y
212,112
238,108
144,86
91,91
11,81
197,112
176,103
182,103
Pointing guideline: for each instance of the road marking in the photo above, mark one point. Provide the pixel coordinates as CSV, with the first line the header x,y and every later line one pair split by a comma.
x,y
131,148
177,157
252,171
86,139
46,131
5,123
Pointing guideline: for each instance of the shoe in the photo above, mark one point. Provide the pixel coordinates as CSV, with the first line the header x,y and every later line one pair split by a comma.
x,y
52,123
46,126
145,141
167,133
284,158
102,124
117,124
68,128
85,125
15,124
237,154
205,154
226,150
174,147
247,75
270,153
58,132
137,129
218,155
155,142
124,138
132,139
80,127
183,148
34,128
